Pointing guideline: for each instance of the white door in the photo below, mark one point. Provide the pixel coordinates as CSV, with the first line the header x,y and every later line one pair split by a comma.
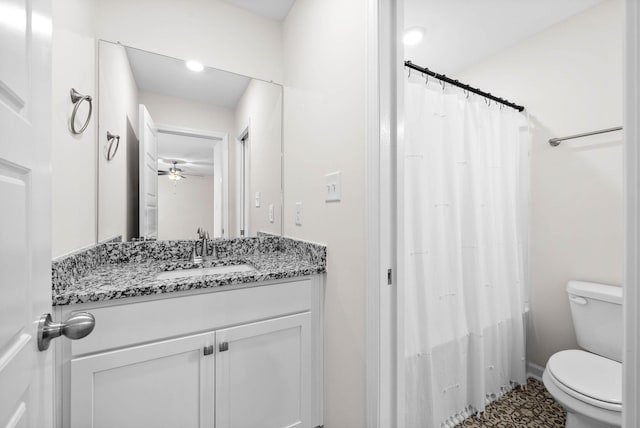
x,y
26,391
148,206
162,384
263,374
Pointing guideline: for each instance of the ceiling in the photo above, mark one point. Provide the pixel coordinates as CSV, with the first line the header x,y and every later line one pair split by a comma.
x,y
460,33
169,76
273,9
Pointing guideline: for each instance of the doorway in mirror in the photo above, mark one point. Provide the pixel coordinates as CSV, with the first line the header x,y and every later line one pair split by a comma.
x,y
192,182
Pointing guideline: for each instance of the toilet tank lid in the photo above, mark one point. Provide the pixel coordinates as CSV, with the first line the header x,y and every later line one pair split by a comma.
x,y
594,290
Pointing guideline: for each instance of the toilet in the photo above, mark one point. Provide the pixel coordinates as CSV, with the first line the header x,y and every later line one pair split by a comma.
x,y
588,382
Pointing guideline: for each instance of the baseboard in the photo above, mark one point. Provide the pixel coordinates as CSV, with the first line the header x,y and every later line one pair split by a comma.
x,y
534,371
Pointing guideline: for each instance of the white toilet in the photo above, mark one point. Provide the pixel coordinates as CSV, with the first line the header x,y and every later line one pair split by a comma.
x,y
588,384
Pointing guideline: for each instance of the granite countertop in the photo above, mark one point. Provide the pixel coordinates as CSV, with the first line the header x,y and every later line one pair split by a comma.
x,y
138,276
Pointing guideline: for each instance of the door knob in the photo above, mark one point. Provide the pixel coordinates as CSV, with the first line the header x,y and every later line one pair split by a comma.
x,y
76,326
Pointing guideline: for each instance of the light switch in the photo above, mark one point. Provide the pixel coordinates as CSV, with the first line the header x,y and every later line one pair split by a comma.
x,y
332,189
299,213
270,213
257,199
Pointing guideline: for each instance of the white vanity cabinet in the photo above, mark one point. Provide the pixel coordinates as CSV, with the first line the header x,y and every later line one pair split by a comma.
x,y
263,373
161,384
234,358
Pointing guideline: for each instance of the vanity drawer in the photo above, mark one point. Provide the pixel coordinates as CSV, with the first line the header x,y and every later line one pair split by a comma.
x,y
133,323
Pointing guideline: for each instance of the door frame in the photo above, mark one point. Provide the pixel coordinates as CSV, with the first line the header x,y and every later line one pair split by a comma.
x,y
221,138
383,53
631,306
243,164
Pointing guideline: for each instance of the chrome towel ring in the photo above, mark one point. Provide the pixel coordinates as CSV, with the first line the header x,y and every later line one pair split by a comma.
x,y
76,99
111,151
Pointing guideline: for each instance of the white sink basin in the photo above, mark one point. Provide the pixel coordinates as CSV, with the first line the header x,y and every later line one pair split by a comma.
x,y
216,270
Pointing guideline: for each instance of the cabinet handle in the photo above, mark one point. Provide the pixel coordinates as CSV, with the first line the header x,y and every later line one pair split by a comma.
x,y
224,346
208,350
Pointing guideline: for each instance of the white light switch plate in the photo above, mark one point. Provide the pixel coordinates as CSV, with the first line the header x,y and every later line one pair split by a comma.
x,y
299,213
257,199
332,187
270,213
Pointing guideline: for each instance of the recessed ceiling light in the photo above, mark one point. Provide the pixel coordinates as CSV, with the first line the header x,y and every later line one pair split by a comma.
x,y
413,36
194,66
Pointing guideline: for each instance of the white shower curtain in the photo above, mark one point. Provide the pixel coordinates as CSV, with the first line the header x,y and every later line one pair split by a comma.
x,y
464,231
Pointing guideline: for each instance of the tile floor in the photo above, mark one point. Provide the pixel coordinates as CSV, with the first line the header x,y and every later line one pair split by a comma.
x,y
530,406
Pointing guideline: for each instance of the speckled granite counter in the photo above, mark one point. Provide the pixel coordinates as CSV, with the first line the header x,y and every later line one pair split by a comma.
x,y
120,270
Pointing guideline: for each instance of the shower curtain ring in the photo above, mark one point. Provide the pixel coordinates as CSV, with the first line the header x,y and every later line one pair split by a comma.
x,y
409,73
426,79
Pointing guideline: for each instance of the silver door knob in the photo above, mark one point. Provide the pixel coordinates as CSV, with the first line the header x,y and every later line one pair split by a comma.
x,y
76,326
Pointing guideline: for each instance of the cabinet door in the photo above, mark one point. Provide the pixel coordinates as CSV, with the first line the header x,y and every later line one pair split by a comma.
x,y
263,374
161,384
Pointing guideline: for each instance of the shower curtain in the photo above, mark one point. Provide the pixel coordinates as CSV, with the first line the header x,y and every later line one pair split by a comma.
x,y
464,231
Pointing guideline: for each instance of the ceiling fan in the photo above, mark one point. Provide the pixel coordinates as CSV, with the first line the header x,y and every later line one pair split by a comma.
x,y
174,172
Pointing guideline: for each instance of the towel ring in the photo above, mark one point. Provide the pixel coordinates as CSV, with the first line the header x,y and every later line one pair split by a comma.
x,y
111,151
76,99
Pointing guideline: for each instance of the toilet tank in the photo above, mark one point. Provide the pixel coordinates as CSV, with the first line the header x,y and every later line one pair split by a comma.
x,y
596,310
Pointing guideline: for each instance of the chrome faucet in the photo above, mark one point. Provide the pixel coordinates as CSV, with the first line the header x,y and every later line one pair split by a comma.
x,y
201,251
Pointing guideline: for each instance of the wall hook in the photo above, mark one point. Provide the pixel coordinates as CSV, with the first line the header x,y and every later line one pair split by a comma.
x,y
111,150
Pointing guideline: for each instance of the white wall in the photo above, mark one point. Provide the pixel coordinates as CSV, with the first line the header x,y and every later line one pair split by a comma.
x,y
211,31
73,156
183,113
260,108
118,112
569,78
184,206
324,116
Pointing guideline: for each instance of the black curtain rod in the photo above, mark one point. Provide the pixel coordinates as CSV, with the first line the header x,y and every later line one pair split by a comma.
x,y
464,86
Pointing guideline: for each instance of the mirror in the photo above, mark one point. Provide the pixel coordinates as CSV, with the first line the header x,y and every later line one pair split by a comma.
x,y
181,149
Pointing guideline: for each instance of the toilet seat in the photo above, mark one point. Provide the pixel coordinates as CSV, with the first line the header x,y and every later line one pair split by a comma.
x,y
588,377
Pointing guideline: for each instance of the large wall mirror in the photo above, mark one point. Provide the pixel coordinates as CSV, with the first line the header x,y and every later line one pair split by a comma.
x,y
183,147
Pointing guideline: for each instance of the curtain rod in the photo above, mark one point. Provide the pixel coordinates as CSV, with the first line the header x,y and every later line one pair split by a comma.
x,y
556,141
464,86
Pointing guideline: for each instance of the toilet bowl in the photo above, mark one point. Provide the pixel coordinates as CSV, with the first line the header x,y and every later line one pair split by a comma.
x,y
588,383
588,386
